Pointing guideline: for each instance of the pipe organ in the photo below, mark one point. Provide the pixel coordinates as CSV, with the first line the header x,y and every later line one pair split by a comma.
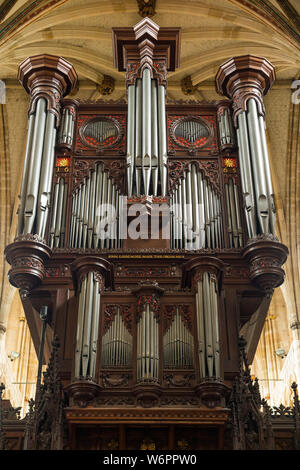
x,y
117,337
147,322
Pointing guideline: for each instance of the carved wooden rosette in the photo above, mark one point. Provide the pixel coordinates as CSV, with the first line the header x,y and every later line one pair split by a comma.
x,y
245,77
27,256
146,45
49,77
266,255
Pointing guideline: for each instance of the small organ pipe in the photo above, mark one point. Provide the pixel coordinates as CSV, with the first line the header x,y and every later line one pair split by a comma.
x,y
162,135
130,138
208,327
195,207
80,323
87,326
54,212
64,216
58,221
85,219
95,327
138,136
146,129
201,211
154,137
91,216
208,324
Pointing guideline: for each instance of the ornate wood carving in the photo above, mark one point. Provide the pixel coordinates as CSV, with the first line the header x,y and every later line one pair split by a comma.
x,y
97,265
146,45
209,168
112,143
185,311
110,311
47,76
44,429
208,142
245,77
266,255
27,256
146,8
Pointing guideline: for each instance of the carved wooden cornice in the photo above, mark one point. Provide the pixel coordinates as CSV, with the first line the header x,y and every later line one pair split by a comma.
x,y
102,268
146,45
195,267
27,256
245,77
142,415
49,77
266,255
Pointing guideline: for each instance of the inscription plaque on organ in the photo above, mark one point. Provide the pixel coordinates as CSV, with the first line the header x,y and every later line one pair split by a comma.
x,y
148,324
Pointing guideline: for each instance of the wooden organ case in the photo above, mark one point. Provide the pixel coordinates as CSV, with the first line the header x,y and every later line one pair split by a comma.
x,y
149,315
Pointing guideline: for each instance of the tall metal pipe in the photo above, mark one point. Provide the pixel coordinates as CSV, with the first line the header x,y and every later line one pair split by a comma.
x,y
35,166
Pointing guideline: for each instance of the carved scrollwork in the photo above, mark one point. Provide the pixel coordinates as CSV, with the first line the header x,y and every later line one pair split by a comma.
x,y
177,380
209,168
109,380
126,312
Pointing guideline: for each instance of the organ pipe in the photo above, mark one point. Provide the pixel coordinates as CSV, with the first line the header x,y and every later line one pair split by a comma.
x,y
91,204
58,221
66,131
147,140
255,171
196,217
178,344
147,346
233,214
28,217
87,326
117,344
207,327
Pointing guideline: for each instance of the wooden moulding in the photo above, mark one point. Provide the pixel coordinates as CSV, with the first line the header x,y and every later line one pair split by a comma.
x,y
27,256
201,264
82,265
244,77
47,76
266,255
166,43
